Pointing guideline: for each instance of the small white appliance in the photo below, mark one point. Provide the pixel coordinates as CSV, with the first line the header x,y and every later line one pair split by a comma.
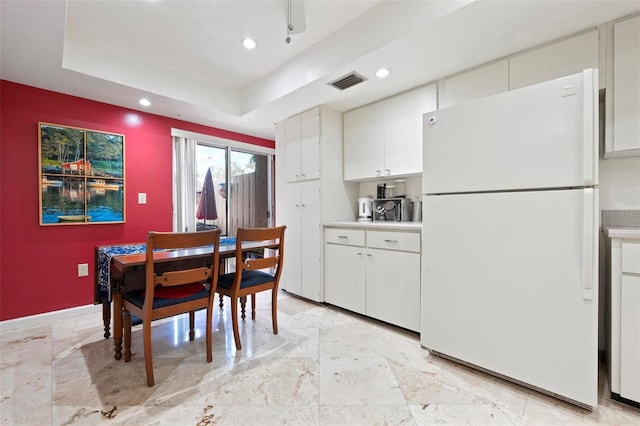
x,y
364,209
510,219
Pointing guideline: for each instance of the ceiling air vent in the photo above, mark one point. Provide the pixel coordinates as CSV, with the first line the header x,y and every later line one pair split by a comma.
x,y
347,81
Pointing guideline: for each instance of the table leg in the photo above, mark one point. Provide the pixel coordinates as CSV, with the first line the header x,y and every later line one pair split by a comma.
x,y
106,317
117,325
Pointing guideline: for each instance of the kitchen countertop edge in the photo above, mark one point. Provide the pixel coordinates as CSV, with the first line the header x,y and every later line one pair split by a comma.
x,y
631,232
412,226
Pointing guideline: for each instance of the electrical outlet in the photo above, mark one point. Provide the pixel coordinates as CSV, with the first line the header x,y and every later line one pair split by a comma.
x,y
83,269
142,198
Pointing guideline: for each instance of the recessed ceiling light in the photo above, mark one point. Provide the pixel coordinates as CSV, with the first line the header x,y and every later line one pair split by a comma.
x,y
144,102
382,73
249,43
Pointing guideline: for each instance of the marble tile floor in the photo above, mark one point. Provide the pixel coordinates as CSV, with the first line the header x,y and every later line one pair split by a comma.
x,y
325,367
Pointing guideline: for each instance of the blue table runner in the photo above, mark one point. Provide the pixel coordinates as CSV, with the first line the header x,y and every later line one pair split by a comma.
x,y
105,253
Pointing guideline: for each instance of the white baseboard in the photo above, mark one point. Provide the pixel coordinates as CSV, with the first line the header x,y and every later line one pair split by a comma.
x,y
48,317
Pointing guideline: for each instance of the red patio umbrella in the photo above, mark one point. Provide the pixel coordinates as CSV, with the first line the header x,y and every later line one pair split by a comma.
x,y
207,204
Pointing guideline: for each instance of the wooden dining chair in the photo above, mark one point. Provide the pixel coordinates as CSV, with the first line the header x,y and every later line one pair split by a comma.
x,y
187,288
254,274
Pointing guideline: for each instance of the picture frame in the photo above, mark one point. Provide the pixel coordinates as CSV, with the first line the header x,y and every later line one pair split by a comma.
x,y
81,176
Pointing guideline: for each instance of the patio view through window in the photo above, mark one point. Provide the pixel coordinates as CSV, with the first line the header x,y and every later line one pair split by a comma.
x,y
232,189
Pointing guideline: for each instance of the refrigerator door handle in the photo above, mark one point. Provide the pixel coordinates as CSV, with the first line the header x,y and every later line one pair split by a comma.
x,y
590,126
588,244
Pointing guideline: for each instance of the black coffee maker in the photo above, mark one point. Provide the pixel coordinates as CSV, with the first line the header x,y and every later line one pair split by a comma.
x,y
382,188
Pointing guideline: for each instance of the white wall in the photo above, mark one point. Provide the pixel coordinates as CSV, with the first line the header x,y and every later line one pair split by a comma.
x,y
620,184
413,186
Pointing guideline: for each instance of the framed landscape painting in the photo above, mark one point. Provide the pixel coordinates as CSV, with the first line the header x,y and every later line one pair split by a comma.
x,y
81,176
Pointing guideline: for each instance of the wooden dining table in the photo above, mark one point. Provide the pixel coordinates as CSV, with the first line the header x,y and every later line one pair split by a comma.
x,y
128,273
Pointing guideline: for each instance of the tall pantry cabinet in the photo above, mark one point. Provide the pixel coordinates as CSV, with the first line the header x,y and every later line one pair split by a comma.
x,y
310,190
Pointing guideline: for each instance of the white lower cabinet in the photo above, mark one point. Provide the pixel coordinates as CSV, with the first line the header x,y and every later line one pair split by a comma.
x,y
375,273
345,279
393,287
624,347
630,338
303,240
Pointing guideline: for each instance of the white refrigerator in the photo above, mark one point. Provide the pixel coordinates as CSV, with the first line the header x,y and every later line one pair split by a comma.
x,y
510,220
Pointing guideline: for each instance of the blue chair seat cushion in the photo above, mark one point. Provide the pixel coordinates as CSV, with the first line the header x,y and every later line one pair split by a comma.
x,y
249,279
137,298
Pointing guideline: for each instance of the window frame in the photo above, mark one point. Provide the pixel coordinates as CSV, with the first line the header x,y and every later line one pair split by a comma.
x,y
231,145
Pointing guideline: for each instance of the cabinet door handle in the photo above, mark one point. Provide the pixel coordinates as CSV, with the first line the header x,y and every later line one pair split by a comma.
x,y
388,172
359,253
390,241
304,176
369,254
342,236
303,206
377,172
297,176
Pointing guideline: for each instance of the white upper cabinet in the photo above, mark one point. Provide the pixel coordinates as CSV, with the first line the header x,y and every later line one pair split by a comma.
x,y
302,141
364,142
403,130
487,80
310,133
292,148
384,139
622,135
565,57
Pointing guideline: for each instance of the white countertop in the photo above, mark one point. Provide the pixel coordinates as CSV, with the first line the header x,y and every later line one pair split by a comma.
x,y
632,232
379,224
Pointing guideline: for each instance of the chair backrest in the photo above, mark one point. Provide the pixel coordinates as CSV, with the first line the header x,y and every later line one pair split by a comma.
x,y
271,238
192,271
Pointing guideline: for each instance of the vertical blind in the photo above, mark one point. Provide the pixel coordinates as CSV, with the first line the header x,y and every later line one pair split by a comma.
x,y
184,184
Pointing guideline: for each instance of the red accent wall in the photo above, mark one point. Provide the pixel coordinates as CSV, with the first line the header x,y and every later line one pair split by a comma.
x,y
38,264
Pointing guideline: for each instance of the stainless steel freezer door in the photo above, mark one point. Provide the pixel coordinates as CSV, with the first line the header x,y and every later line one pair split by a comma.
x,y
507,285
541,136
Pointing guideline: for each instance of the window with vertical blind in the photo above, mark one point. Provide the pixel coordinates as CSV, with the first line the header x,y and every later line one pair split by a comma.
x,y
218,183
